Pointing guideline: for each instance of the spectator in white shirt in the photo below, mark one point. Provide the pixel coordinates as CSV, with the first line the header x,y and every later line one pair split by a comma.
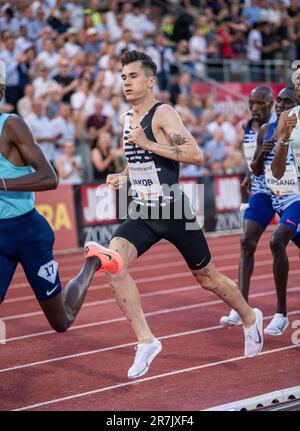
x,y
49,57
64,126
24,105
42,83
254,52
12,59
162,56
137,21
83,99
69,165
42,131
126,42
76,14
71,45
198,45
254,43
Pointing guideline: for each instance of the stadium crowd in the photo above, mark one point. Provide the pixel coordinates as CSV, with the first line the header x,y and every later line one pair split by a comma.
x,y
63,70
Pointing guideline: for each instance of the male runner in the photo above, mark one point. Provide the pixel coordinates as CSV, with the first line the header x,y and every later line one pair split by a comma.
x,y
285,201
155,141
25,236
260,211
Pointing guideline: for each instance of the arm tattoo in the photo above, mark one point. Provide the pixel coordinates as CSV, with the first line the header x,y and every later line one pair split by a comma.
x,y
178,151
177,139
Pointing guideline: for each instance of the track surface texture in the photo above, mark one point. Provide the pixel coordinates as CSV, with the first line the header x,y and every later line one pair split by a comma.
x,y
201,365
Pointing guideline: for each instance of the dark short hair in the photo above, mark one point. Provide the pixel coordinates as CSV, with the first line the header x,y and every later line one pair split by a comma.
x,y
146,60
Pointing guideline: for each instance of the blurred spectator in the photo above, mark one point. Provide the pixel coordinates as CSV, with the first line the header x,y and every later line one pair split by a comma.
x,y
83,100
49,57
63,125
183,55
76,14
71,45
198,44
214,153
254,51
42,82
103,157
58,51
92,42
12,60
24,105
126,43
69,166
60,19
137,22
66,80
116,129
252,12
180,84
184,111
183,27
162,55
8,21
97,120
41,128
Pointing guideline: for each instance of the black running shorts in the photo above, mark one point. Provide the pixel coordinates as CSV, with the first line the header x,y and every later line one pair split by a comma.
x,y
185,233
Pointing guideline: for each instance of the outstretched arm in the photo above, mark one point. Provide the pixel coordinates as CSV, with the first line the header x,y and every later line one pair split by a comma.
x,y
181,146
44,177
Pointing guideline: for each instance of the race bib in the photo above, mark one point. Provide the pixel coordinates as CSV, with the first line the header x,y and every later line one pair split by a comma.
x,y
249,150
296,154
144,181
287,185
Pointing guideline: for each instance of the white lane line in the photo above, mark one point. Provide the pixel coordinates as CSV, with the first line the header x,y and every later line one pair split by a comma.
x,y
120,346
143,280
152,313
141,268
158,257
144,268
147,379
266,276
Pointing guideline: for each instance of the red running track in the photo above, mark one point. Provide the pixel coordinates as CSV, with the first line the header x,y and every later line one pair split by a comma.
x,y
201,365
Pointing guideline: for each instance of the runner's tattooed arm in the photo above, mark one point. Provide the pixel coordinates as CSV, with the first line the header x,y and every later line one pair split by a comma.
x,y
180,144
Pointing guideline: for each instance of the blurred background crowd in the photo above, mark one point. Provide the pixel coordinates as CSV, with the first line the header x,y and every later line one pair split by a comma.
x,y
63,71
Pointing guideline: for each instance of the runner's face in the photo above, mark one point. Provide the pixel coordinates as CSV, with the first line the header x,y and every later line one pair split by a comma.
x,y
260,108
283,103
136,84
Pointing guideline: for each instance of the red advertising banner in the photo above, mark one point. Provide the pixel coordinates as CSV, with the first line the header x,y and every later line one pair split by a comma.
x,y
231,98
98,203
57,206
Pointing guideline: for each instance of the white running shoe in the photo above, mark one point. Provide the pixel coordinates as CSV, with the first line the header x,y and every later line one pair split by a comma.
x,y
254,339
232,319
278,325
145,353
